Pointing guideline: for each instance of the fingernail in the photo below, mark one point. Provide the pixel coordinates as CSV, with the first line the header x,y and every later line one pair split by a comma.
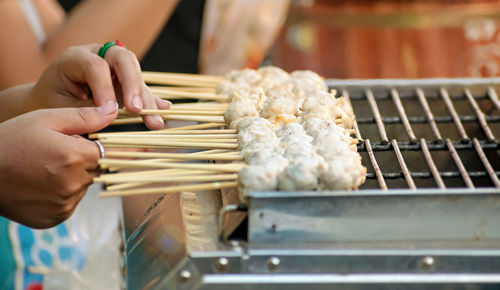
x,y
108,108
137,102
159,119
167,103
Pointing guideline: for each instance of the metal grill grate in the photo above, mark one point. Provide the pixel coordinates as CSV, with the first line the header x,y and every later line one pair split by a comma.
x,y
415,134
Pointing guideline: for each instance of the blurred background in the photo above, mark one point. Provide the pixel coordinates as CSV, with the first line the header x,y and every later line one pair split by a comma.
x,y
391,39
336,38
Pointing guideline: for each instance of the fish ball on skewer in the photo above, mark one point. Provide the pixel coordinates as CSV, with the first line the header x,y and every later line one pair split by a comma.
x,y
257,134
306,80
301,174
278,121
343,173
294,129
278,106
245,122
246,75
240,107
261,177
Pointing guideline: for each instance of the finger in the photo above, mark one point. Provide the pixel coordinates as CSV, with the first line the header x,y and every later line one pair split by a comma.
x,y
128,71
81,66
153,122
162,104
78,121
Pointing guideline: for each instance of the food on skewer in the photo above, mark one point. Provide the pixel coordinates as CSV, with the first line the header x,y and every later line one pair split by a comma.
x,y
291,132
311,126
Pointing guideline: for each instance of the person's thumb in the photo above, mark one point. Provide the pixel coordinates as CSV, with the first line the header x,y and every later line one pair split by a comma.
x,y
77,121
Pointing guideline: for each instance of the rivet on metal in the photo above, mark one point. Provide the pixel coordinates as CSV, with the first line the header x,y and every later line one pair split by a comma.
x,y
222,264
273,263
427,262
185,275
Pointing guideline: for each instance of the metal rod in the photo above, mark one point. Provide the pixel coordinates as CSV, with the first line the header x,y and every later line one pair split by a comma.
x,y
402,114
376,168
494,97
346,95
454,114
428,112
486,163
431,164
402,163
480,115
460,165
376,115
422,120
407,146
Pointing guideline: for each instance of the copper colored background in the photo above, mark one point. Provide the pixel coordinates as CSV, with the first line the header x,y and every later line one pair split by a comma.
x,y
391,39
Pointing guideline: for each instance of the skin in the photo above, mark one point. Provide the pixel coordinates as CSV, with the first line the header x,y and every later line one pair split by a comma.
x,y
92,21
45,165
81,78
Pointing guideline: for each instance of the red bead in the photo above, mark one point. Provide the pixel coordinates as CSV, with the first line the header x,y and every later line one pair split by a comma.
x,y
119,43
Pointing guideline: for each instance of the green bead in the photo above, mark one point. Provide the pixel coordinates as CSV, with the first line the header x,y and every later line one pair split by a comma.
x,y
105,47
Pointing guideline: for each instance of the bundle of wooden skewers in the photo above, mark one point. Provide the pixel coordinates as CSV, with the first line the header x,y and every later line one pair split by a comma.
x,y
134,172
205,155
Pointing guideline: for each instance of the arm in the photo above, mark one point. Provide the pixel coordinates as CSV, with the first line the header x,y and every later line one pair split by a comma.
x,y
80,78
15,101
45,166
23,58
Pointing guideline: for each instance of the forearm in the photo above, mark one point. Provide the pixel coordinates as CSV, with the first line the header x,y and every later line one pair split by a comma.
x,y
135,23
16,101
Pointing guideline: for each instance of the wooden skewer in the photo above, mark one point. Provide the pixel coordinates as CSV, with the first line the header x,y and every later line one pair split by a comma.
x,y
118,168
168,132
136,120
168,144
186,76
181,79
198,143
126,185
230,167
174,155
174,136
196,127
173,112
155,172
173,94
189,178
199,106
170,189
191,89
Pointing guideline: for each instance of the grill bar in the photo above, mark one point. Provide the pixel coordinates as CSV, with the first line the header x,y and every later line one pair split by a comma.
x,y
440,119
376,115
402,114
406,146
346,95
402,164
376,168
460,165
486,163
454,114
431,164
480,116
428,113
426,175
494,97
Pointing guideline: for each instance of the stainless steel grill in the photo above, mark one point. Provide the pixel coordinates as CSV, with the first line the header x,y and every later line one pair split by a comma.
x,y
428,216
452,123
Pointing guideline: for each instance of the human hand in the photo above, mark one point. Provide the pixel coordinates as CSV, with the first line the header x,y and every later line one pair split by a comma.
x,y
81,78
45,166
